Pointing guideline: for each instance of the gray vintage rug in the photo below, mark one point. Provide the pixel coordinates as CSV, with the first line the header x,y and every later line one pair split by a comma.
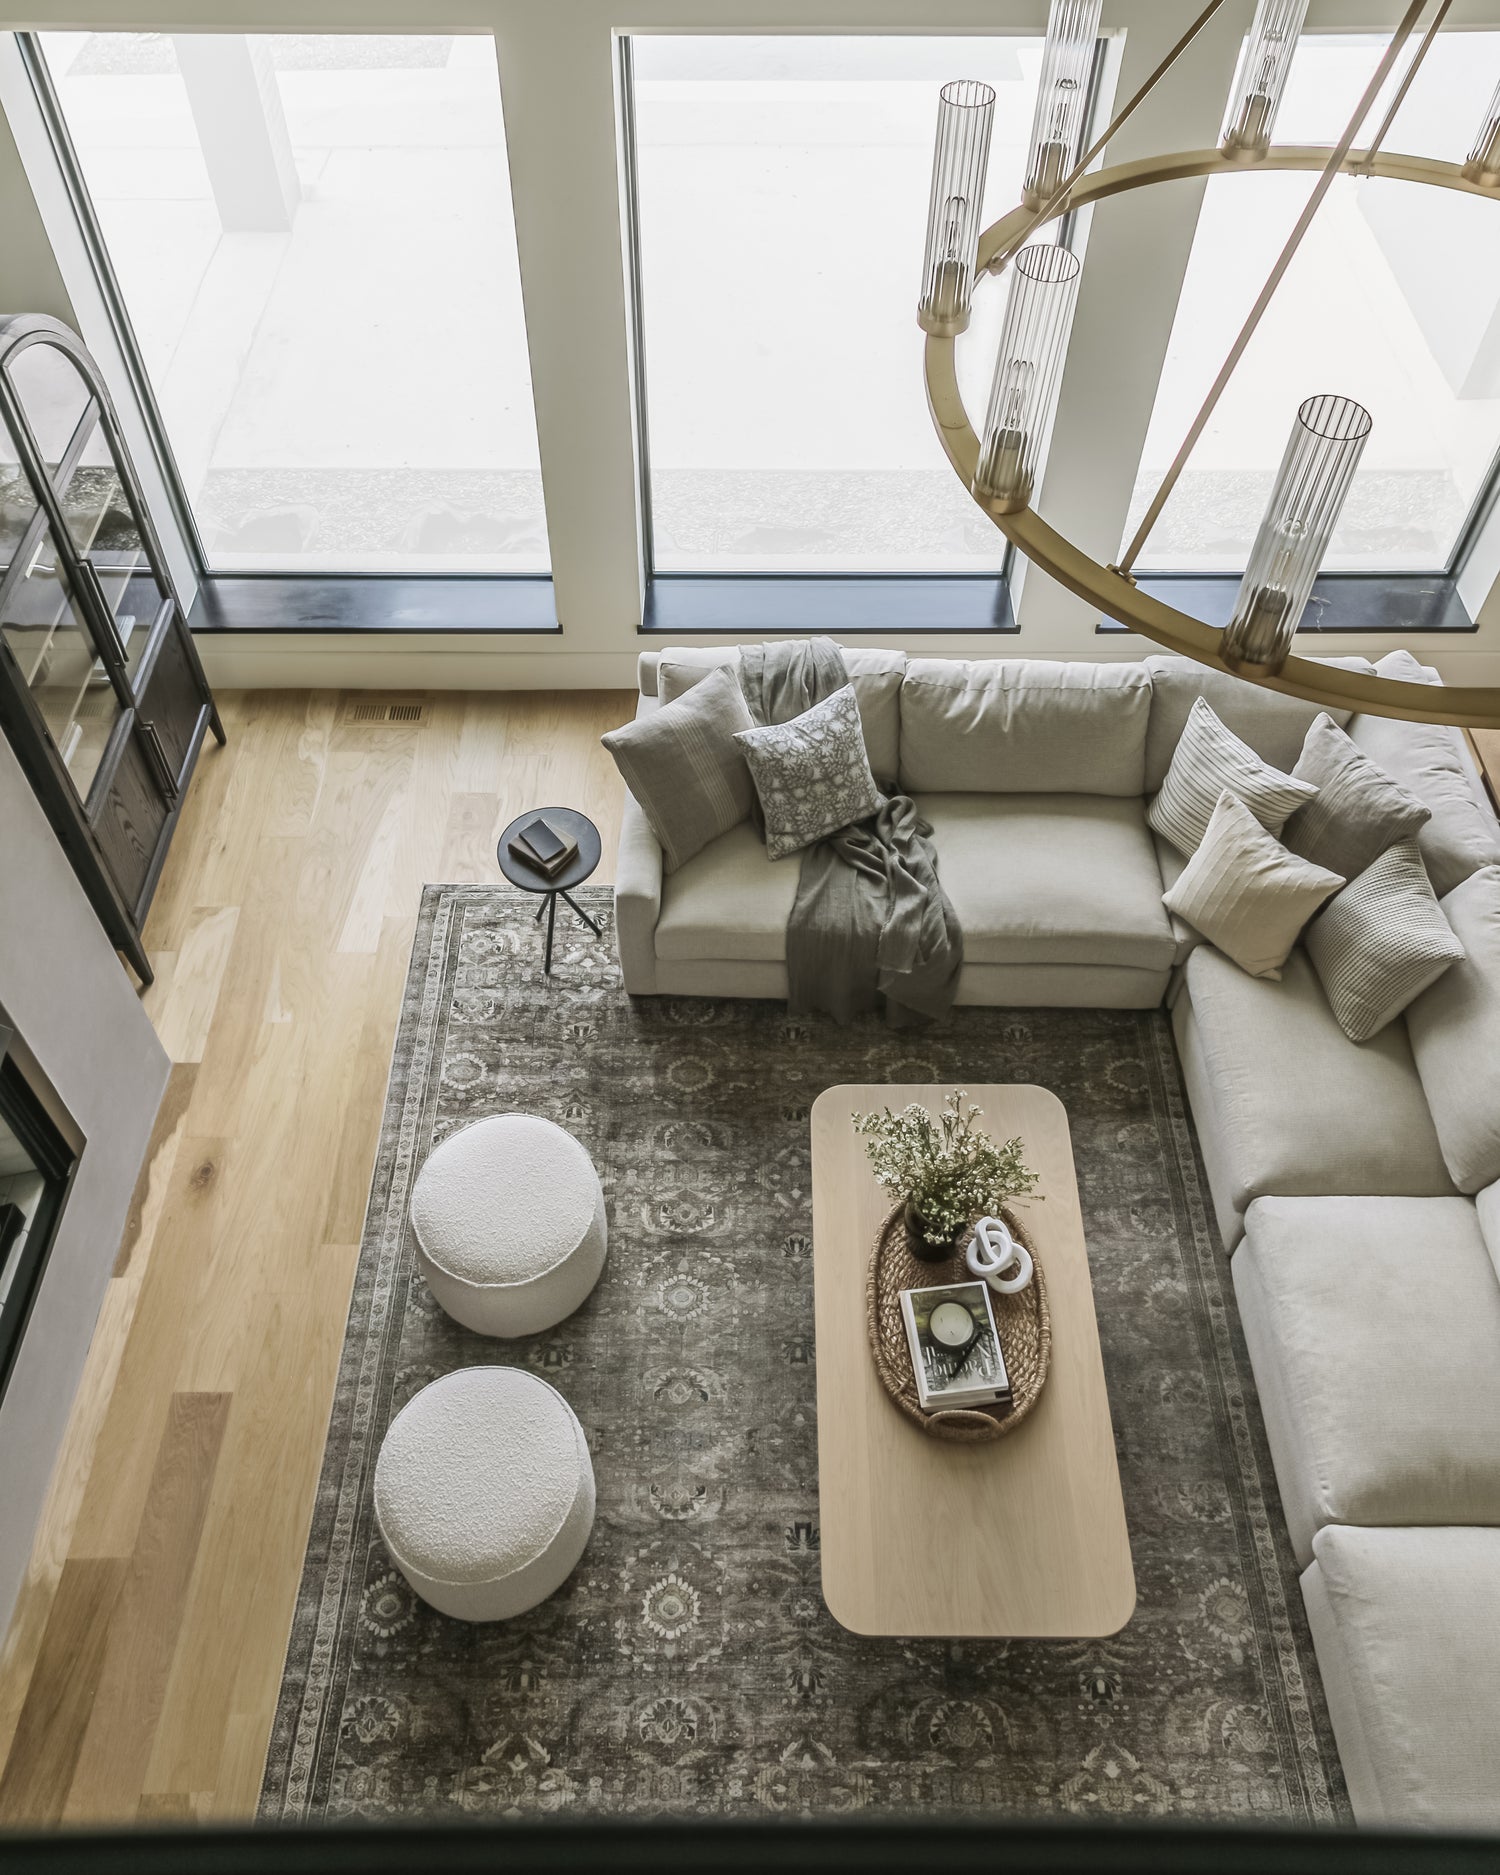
x,y
690,1665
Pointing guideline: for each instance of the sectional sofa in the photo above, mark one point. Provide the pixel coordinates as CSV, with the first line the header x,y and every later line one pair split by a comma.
x,y
1357,1186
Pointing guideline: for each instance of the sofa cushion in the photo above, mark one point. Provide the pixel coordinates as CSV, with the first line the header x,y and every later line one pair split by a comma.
x,y
685,768
1359,812
811,774
1286,1104
876,676
1432,761
1274,726
729,902
1487,1206
1051,878
1381,942
1374,1328
1023,726
1210,759
1455,1035
1407,1628
1246,893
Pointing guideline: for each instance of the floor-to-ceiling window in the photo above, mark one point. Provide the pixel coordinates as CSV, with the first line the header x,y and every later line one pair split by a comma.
x,y
313,240
1393,299
781,198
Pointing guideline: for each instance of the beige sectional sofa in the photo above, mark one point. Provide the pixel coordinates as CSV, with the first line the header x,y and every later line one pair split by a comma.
x,y
1357,1186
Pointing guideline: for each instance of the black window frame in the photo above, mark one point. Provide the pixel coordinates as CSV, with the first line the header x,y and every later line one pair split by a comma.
x,y
737,603
271,599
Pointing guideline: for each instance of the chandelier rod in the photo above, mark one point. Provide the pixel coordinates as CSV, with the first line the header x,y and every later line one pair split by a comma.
x,y
1283,260
1401,90
1044,212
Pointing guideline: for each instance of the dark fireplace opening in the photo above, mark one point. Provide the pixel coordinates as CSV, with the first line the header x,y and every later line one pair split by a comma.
x,y
36,1164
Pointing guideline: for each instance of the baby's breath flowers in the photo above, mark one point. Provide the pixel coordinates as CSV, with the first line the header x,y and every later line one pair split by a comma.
x,y
947,1168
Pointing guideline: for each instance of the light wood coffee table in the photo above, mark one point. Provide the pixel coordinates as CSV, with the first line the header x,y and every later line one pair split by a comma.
x,y
1022,1536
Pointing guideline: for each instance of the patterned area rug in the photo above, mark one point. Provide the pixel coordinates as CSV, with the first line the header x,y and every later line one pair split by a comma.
x,y
690,1665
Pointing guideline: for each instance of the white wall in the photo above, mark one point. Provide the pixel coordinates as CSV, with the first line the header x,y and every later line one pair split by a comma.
x,y
64,992
557,71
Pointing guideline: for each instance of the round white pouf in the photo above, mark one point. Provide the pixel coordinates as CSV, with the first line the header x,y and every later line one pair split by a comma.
x,y
484,1492
510,1226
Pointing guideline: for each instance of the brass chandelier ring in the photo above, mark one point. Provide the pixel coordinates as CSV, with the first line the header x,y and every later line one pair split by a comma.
x,y
1117,597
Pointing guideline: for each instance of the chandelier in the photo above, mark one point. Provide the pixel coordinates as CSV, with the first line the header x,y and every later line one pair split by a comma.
x,y
1000,465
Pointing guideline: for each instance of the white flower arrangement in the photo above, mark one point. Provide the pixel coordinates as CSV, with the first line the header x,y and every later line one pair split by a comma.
x,y
947,1167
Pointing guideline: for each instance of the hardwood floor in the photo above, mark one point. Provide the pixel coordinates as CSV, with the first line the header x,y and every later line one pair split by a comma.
x,y
140,1673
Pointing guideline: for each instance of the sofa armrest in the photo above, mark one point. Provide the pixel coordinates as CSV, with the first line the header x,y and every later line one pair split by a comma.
x,y
638,875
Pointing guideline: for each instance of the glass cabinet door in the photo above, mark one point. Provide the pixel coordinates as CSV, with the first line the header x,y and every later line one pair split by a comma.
x,y
58,661
55,396
107,534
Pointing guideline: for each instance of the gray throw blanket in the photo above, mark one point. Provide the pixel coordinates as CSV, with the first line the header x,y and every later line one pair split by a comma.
x,y
870,921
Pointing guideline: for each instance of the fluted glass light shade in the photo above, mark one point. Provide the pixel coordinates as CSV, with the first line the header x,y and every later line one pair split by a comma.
x,y
966,110
1261,78
1043,286
1057,128
1327,441
1484,159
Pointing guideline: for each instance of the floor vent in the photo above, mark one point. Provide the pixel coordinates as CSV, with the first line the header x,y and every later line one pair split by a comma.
x,y
368,710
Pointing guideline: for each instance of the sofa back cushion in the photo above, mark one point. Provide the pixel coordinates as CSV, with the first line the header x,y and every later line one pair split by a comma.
x,y
1432,761
1274,726
1023,726
876,676
1455,1036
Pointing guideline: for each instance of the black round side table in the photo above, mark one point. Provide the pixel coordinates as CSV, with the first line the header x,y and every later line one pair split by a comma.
x,y
568,821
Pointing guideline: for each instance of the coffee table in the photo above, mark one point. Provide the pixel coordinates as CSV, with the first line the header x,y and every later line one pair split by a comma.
x,y
1022,1536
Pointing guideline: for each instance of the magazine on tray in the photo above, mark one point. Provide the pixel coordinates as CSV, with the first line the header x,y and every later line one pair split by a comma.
x,y
956,1363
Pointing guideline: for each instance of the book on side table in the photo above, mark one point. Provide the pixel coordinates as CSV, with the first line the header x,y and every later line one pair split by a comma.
x,y
542,847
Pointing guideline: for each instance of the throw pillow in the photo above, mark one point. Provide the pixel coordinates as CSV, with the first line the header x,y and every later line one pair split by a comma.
x,y
686,768
1381,942
1455,1036
1360,810
812,774
1246,893
1209,760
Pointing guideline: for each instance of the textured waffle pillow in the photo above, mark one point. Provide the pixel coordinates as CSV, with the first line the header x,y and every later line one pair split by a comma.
x,y
1246,893
812,774
686,768
1381,942
1360,811
1210,760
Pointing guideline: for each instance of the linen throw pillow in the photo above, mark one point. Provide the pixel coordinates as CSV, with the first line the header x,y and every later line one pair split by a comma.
x,y
1246,893
812,774
1360,810
1209,760
1381,942
685,767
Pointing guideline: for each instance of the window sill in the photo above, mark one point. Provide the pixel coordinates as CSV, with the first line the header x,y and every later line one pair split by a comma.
x,y
1399,603
741,604
317,602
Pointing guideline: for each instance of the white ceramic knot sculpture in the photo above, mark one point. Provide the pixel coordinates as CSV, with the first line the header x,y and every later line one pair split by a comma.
x,y
996,1257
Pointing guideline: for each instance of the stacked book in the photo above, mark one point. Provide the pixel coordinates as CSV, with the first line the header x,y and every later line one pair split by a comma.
x,y
539,845
955,1348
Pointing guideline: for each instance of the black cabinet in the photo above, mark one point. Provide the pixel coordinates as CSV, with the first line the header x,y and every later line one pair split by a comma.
x,y
102,695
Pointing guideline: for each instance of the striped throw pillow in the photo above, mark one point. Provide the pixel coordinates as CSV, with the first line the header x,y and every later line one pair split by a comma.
x,y
684,766
1210,760
1381,942
1246,893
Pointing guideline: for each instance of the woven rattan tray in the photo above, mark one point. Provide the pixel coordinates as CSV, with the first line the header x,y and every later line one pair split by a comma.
x,y
1023,1321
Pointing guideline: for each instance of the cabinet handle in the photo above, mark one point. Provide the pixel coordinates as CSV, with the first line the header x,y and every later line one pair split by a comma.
x,y
159,754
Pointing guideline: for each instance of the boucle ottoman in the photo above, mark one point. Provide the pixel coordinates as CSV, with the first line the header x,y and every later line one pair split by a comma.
x,y
484,1492
509,1222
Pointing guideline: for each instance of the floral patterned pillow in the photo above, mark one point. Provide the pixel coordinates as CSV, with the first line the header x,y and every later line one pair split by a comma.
x,y
812,774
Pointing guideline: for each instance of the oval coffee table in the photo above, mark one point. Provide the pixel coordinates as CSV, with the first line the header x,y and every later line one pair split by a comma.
x,y
579,827
1020,1536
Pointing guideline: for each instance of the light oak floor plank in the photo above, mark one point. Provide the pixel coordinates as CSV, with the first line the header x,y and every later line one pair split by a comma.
x,y
139,1677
